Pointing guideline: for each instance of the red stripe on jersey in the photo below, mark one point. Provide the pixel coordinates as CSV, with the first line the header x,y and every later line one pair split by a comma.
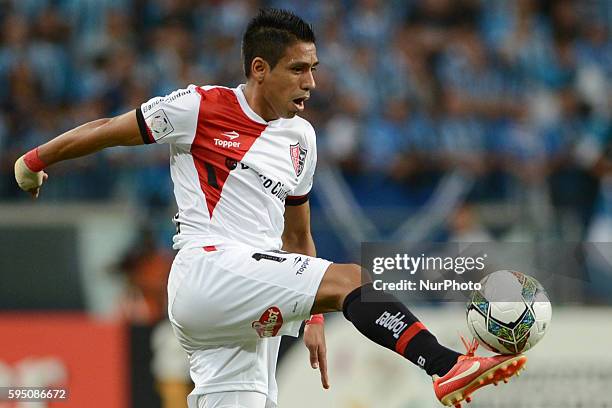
x,y
408,335
224,134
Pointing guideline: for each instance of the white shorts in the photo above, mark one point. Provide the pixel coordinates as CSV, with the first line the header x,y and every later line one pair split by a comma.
x,y
228,305
233,399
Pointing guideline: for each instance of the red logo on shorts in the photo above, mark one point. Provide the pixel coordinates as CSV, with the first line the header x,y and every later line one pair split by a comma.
x,y
269,323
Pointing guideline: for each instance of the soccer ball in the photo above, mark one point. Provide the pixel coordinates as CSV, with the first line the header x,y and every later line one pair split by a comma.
x,y
510,313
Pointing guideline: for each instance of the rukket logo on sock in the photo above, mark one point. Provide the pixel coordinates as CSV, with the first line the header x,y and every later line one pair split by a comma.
x,y
269,323
394,323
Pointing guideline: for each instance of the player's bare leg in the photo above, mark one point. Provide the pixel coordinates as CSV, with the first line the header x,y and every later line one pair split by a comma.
x,y
388,322
339,280
381,318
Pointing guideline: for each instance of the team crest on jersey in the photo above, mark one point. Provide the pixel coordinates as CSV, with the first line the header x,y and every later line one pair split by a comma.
x,y
269,323
298,157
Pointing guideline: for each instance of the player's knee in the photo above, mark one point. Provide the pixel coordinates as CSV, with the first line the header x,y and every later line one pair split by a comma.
x,y
352,278
338,282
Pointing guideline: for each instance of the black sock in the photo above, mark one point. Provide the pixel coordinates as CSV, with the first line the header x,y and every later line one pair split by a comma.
x,y
386,321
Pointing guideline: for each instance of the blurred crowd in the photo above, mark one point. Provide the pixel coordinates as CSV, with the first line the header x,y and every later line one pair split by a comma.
x,y
516,94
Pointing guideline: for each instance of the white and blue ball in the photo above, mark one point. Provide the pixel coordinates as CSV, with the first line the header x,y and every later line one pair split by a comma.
x,y
510,313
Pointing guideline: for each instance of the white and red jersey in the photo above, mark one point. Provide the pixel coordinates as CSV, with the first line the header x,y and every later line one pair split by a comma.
x,y
233,172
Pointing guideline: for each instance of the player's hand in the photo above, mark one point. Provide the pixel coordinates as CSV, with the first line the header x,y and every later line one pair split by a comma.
x,y
314,340
27,179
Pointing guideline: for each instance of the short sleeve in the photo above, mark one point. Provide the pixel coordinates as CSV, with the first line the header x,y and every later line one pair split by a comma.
x,y
170,119
301,192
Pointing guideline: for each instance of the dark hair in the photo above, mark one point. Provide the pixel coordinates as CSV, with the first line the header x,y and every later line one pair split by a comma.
x,y
270,33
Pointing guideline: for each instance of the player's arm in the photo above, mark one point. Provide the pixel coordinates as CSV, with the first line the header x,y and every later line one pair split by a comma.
x,y
86,139
91,137
298,238
296,235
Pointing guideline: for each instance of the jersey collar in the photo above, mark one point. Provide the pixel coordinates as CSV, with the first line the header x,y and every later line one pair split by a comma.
x,y
239,91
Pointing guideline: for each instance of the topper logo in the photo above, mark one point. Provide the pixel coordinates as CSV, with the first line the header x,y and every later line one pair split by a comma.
x,y
231,135
226,143
395,323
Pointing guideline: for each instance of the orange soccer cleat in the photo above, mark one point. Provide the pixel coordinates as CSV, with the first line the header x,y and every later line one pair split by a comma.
x,y
472,372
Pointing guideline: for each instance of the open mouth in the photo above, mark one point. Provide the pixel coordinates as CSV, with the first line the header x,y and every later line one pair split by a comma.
x,y
299,103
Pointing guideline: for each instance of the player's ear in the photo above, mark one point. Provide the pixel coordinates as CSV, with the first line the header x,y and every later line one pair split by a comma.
x,y
259,68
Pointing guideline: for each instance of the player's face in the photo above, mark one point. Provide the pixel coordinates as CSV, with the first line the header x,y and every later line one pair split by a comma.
x,y
288,85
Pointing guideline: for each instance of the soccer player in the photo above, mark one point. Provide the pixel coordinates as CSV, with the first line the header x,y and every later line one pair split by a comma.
x,y
242,162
